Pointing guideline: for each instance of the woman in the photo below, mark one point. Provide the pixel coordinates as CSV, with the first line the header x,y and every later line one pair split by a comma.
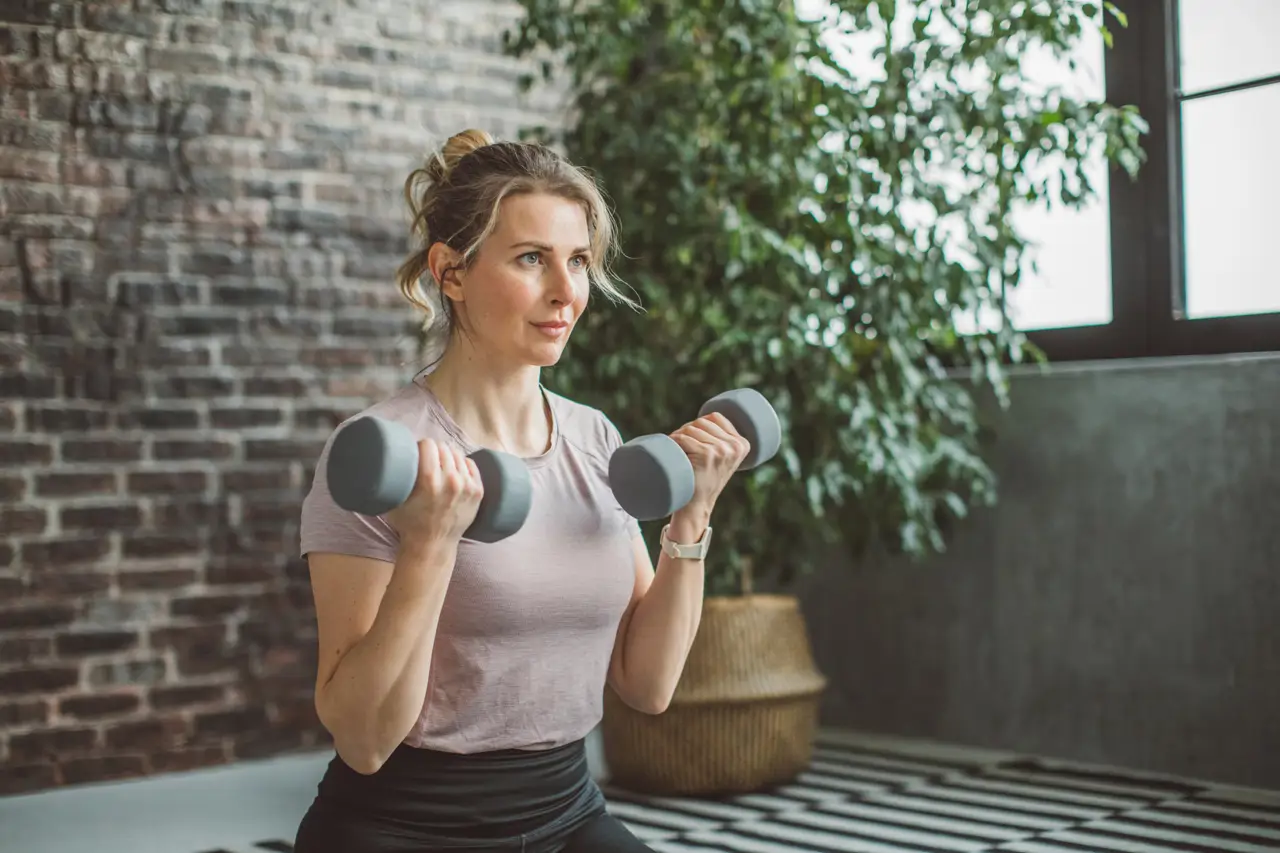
x,y
459,679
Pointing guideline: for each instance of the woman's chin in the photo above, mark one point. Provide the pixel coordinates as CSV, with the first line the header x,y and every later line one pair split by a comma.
x,y
549,361
546,355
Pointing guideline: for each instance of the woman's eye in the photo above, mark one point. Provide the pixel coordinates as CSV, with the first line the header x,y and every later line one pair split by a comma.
x,y
579,262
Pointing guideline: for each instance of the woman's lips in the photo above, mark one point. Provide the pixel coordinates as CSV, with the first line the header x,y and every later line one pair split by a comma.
x,y
553,329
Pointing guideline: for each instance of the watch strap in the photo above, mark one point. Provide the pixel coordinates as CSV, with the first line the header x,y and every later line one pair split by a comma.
x,y
686,551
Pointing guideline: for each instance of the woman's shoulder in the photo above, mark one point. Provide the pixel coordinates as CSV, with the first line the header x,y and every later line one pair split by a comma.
x,y
410,406
585,426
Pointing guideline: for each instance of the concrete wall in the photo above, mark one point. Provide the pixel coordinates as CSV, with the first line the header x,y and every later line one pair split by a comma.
x,y
1121,604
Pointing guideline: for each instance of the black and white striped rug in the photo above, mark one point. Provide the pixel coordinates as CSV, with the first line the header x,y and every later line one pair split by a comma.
x,y
860,798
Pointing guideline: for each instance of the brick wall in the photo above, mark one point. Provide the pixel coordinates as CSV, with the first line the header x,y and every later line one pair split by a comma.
x,y
199,220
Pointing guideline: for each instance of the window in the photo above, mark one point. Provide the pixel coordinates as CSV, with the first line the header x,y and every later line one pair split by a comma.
x,y
1193,270
1229,105
1066,276
1179,261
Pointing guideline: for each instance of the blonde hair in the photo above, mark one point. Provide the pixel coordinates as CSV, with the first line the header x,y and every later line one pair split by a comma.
x,y
455,197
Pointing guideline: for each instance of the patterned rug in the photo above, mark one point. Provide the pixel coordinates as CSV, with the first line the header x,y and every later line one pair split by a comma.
x,y
860,798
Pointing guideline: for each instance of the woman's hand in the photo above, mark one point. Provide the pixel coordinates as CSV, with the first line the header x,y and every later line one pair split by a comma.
x,y
716,450
445,497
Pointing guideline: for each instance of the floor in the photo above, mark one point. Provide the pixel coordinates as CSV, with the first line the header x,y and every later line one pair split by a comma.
x,y
861,794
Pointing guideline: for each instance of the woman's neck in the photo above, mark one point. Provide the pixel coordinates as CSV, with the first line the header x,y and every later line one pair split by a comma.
x,y
499,409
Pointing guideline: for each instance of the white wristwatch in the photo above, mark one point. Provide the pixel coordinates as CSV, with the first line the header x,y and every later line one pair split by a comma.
x,y
695,551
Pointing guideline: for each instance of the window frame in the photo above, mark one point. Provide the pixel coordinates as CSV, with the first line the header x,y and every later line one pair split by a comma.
x,y
1146,223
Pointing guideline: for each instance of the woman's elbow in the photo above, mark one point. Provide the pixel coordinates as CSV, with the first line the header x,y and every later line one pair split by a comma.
x,y
362,761
360,757
355,752
646,701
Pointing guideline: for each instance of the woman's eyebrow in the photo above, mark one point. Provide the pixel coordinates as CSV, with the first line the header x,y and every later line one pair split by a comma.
x,y
545,248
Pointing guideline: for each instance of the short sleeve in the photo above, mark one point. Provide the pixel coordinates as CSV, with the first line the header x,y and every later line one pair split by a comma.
x,y
612,441
325,526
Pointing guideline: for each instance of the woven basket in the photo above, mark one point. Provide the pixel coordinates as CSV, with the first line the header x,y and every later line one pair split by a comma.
x,y
743,715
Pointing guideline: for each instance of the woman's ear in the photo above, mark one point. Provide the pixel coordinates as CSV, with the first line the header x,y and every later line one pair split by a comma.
x,y
445,264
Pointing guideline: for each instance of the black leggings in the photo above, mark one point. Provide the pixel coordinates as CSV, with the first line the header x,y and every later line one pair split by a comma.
x,y
422,801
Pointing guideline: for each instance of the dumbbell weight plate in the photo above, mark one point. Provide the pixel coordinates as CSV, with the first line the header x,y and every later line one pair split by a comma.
x,y
754,418
508,495
373,464
651,476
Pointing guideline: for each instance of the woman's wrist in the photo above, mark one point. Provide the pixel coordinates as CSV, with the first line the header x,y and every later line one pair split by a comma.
x,y
688,523
423,555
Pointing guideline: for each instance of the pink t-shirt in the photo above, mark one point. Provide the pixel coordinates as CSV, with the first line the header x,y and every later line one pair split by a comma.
x,y
528,624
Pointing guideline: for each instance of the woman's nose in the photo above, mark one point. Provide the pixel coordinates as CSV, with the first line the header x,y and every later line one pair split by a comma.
x,y
562,285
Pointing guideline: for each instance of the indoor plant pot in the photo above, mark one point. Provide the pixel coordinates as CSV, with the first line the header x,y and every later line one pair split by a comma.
x,y
743,715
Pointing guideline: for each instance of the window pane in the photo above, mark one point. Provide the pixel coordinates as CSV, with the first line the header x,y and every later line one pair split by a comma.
x,y
1231,180
1073,253
1073,246
1227,41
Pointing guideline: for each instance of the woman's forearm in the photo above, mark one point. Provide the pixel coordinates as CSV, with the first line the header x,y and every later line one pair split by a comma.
x,y
665,620
376,693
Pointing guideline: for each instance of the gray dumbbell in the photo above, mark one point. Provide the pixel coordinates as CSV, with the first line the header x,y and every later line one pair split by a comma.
x,y
651,475
373,465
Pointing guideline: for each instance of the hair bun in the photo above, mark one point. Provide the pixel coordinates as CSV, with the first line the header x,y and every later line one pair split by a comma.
x,y
459,146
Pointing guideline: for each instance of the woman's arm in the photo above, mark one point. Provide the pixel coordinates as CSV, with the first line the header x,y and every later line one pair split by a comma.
x,y
377,627
661,622
659,625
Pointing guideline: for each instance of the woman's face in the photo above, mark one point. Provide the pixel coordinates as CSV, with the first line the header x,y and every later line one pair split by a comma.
x,y
528,285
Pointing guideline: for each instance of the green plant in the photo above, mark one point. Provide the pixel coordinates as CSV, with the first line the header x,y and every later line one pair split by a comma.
x,y
789,224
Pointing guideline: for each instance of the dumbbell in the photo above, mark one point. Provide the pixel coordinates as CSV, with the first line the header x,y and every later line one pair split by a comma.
x,y
652,477
373,465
